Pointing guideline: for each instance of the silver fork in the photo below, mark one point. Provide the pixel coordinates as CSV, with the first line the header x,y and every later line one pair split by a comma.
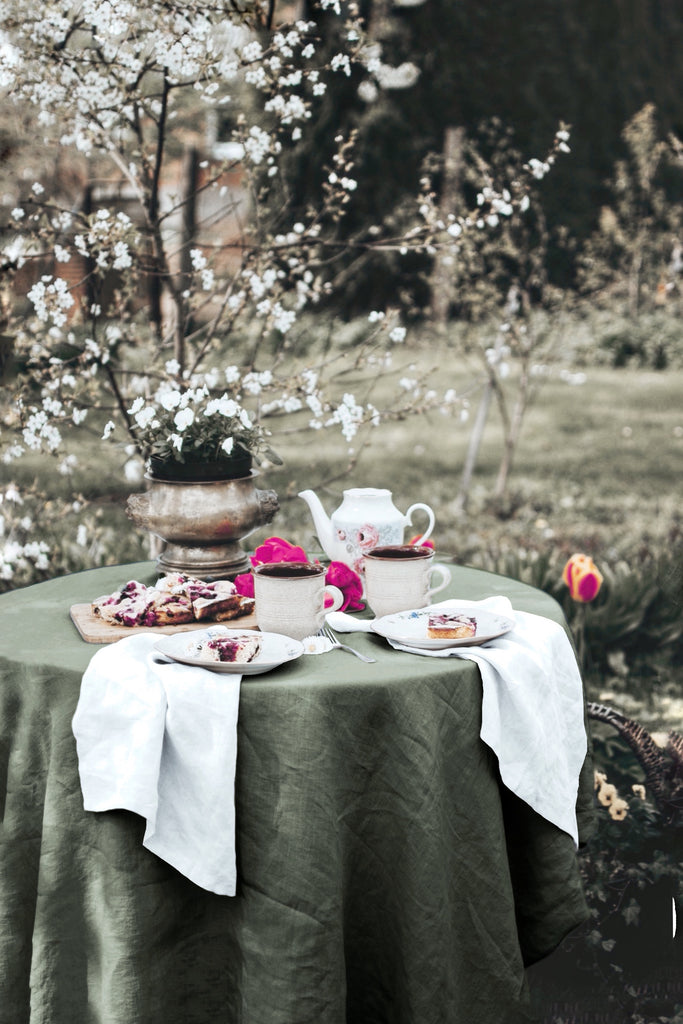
x,y
327,632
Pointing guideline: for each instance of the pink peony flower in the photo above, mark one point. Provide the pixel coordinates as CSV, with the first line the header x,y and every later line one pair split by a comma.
x,y
244,584
349,582
422,543
275,549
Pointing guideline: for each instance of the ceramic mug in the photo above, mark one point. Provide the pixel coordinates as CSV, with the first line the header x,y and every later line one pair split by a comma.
x,y
399,576
290,598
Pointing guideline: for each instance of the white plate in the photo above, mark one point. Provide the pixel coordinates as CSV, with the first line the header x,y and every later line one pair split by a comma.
x,y
275,650
410,628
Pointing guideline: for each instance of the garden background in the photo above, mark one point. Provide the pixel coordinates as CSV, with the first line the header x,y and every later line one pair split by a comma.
x,y
524,377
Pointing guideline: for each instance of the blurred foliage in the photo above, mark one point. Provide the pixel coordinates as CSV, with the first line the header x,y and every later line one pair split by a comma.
x,y
636,252
532,66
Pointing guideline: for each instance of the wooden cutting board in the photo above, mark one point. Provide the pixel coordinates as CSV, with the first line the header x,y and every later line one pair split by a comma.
x,y
94,631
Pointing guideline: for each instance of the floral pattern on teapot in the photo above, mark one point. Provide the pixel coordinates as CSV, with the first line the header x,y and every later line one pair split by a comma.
x,y
358,541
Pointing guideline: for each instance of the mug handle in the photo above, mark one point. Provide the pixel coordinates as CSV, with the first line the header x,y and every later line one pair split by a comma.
x,y
337,598
445,574
430,513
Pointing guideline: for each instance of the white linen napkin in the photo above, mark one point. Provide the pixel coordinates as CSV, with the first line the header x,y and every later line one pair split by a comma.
x,y
160,740
532,711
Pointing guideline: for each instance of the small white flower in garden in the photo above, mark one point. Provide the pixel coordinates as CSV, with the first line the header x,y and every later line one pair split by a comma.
x,y
14,451
18,213
67,465
82,535
168,398
13,494
398,334
198,259
310,380
133,471
292,404
78,415
122,256
227,445
136,406
176,441
538,168
375,316
184,419
283,318
109,428
37,188
315,405
341,62
244,419
145,417
232,374
62,255
172,367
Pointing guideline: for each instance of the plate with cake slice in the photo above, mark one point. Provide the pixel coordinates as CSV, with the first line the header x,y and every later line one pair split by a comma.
x,y
440,627
220,649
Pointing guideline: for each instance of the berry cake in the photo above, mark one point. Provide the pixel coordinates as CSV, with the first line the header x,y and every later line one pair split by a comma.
x,y
238,648
175,599
450,626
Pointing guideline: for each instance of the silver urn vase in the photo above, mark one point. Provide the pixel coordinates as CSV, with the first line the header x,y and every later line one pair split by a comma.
x,y
201,523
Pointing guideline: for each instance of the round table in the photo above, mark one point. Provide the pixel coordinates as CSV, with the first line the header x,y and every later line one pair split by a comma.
x,y
385,874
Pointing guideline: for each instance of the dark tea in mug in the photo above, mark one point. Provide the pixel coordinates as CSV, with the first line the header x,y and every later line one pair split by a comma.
x,y
401,551
289,570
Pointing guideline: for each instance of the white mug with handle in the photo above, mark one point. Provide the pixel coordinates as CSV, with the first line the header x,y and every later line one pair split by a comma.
x,y
399,577
290,598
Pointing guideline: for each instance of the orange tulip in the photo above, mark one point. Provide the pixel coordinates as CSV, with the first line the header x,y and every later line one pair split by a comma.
x,y
582,577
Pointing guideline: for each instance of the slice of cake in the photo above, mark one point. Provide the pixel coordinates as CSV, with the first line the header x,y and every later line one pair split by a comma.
x,y
129,606
170,609
215,601
239,648
450,626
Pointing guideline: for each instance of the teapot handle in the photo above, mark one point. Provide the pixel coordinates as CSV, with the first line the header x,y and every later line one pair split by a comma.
x,y
429,512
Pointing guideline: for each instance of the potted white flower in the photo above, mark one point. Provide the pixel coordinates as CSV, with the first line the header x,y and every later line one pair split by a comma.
x,y
193,432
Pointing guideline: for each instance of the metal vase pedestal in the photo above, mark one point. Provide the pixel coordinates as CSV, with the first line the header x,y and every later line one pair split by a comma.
x,y
202,523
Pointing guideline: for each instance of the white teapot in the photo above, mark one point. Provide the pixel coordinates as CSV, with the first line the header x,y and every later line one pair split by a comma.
x,y
366,518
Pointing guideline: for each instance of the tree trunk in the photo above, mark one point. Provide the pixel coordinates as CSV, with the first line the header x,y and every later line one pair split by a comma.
x,y
512,436
442,275
477,432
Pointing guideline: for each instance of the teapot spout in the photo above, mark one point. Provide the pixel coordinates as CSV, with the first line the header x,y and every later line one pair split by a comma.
x,y
322,522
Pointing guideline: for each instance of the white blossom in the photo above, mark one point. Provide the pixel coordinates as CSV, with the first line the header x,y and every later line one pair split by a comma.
x,y
183,419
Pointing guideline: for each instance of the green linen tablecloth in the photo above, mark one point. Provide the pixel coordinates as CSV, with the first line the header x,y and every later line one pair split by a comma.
x,y
385,875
